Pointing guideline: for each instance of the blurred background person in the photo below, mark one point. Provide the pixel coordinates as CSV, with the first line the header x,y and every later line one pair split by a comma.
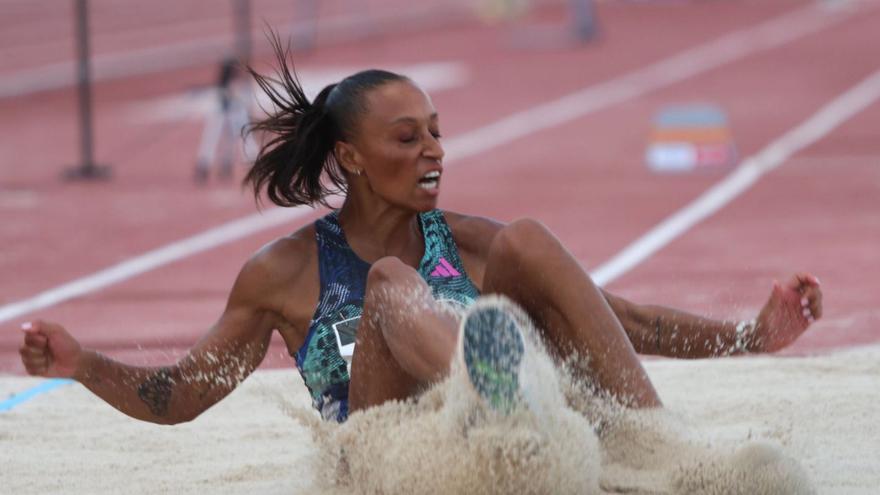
x,y
224,124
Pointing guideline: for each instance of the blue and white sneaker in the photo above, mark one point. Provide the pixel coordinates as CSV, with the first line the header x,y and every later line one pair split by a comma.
x,y
492,348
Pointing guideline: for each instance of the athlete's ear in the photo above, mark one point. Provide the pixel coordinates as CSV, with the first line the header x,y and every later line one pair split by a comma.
x,y
347,157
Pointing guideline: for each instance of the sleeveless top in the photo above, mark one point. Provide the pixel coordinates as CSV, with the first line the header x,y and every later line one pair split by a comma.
x,y
323,360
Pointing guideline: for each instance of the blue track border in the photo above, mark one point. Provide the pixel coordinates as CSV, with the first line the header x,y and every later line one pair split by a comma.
x,y
30,393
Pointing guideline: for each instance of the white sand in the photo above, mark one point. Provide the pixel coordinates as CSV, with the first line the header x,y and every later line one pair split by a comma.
x,y
823,411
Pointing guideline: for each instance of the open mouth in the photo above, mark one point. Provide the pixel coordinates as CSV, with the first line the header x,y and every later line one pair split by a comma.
x,y
430,180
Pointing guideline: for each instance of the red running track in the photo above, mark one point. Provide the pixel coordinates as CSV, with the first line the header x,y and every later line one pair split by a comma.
x,y
584,178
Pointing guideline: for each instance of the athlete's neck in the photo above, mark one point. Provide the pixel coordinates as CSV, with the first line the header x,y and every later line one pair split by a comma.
x,y
375,231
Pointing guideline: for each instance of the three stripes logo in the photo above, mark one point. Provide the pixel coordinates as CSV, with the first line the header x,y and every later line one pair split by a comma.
x,y
444,269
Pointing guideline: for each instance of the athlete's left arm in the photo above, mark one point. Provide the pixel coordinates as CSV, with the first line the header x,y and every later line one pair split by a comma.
x,y
791,308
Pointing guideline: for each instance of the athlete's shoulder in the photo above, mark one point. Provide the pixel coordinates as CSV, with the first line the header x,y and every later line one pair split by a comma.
x,y
473,233
284,258
292,248
472,224
282,278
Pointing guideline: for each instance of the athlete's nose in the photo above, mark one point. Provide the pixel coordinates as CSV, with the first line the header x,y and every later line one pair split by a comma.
x,y
434,150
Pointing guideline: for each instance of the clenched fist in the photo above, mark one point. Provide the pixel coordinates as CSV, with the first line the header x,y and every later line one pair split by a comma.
x,y
48,350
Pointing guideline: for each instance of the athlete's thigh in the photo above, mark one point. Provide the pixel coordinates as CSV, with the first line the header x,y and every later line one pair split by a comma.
x,y
376,374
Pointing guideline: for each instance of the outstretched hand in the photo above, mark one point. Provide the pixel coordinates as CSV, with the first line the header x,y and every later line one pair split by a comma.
x,y
791,309
48,350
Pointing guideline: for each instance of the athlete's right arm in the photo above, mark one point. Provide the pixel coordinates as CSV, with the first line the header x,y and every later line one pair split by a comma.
x,y
231,350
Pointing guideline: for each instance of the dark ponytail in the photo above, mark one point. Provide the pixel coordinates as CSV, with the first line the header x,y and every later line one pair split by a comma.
x,y
297,165
292,163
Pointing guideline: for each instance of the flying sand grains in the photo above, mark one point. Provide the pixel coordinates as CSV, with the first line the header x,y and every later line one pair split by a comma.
x,y
446,441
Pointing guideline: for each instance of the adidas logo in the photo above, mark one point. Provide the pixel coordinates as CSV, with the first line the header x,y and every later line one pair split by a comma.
x,y
444,269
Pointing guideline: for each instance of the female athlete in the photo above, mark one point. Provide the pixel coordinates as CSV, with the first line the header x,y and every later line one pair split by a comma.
x,y
379,269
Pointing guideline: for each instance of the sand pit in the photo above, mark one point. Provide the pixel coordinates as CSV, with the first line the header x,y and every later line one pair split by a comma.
x,y
820,411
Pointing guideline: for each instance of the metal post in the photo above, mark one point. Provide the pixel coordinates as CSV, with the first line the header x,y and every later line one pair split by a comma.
x,y
87,169
242,14
584,17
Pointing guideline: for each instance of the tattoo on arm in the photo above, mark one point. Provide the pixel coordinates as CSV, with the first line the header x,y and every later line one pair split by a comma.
x,y
156,391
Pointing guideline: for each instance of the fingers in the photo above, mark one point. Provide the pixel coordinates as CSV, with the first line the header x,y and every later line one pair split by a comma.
x,y
34,351
34,334
807,279
34,339
809,287
46,328
812,301
35,361
806,311
800,281
35,364
811,296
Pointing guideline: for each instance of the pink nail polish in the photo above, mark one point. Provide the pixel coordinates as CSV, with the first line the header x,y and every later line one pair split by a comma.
x,y
27,326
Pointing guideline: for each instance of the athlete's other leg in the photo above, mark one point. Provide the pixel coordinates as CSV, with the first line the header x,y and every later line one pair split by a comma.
x,y
405,340
529,265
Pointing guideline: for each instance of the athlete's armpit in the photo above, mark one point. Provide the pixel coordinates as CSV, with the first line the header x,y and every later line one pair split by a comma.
x,y
156,391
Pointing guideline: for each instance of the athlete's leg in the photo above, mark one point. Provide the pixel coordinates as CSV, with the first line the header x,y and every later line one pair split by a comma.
x,y
405,340
529,265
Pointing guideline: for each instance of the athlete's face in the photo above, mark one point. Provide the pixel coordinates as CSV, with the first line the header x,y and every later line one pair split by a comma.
x,y
396,147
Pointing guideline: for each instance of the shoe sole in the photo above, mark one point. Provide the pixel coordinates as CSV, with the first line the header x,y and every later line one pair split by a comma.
x,y
491,348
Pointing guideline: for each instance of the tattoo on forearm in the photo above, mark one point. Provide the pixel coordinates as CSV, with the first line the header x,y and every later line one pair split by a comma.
x,y
156,391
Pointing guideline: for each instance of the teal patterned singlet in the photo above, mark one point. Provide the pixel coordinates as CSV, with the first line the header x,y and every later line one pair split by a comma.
x,y
323,358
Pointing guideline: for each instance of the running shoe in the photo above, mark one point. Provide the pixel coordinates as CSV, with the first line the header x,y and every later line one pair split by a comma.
x,y
492,350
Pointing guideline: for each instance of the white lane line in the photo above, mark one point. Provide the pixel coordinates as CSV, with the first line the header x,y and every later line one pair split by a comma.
x,y
689,63
742,178
208,49
156,258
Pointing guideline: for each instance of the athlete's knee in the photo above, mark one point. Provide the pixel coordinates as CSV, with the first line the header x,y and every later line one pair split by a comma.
x,y
386,270
523,241
389,280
